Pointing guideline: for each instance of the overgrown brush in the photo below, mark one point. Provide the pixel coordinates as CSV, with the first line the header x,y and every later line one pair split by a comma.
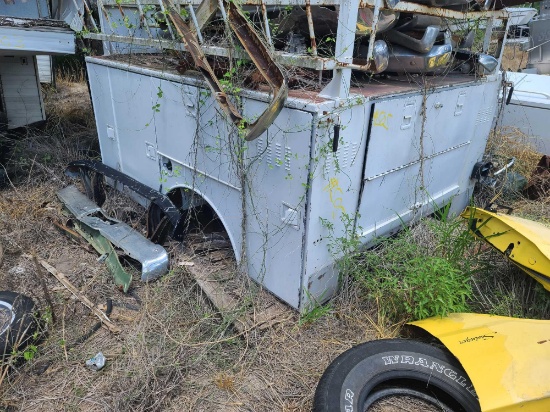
x,y
438,267
424,271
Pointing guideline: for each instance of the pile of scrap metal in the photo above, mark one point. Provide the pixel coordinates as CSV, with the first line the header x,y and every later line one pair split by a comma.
x,y
406,38
406,42
109,237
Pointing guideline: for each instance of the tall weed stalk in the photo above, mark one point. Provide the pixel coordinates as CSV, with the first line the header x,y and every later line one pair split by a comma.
x,y
423,271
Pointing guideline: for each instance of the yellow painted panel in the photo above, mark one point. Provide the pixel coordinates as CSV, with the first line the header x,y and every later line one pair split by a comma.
x,y
525,242
507,359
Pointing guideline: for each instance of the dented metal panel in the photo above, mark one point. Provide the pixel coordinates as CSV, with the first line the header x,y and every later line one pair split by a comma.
x,y
525,242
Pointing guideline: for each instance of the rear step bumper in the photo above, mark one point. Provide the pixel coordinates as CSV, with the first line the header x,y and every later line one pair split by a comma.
x,y
153,257
162,201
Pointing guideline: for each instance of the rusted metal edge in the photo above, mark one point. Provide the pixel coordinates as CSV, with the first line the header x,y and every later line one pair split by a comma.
x,y
22,22
311,28
259,54
264,62
408,7
191,42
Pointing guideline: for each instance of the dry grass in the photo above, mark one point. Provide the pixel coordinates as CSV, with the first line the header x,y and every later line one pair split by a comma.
x,y
514,59
505,289
505,143
176,351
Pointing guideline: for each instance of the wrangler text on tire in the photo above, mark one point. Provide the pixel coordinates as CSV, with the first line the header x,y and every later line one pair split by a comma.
x,y
369,372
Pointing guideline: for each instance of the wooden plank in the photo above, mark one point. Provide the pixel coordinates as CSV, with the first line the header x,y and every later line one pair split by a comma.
x,y
216,290
88,303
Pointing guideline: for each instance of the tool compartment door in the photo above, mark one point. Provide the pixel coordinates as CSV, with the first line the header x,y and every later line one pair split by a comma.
x,y
390,180
416,153
277,164
447,138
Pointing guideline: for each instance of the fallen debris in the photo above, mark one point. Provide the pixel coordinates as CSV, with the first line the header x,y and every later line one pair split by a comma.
x,y
73,235
186,263
229,300
524,242
107,254
97,362
102,232
63,279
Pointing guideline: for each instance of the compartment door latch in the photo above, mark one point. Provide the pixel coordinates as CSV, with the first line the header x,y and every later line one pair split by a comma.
x,y
460,103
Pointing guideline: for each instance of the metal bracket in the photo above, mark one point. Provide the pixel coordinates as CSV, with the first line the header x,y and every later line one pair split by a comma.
x,y
107,252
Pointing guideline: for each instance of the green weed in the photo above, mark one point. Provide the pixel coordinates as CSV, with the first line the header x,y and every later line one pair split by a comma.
x,y
423,271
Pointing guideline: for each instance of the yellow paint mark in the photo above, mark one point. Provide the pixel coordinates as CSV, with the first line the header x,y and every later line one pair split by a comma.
x,y
362,29
438,61
381,118
333,189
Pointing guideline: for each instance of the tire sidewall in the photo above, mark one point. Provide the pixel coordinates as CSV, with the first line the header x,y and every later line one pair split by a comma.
x,y
353,375
23,322
9,307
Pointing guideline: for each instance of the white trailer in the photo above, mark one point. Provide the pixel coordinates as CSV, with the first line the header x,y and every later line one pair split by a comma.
x,y
527,108
26,32
356,159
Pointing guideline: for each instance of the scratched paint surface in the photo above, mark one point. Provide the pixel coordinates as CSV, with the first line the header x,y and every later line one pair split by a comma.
x,y
507,359
12,42
335,195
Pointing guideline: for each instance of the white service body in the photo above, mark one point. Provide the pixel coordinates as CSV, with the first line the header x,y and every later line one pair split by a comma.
x,y
292,200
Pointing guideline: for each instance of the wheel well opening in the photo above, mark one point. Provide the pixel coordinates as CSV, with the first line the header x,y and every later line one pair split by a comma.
x,y
200,223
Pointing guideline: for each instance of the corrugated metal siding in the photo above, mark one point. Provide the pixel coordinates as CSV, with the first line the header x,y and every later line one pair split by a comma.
x,y
21,90
44,64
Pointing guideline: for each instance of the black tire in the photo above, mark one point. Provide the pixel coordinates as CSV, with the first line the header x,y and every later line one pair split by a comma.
x,y
394,367
17,321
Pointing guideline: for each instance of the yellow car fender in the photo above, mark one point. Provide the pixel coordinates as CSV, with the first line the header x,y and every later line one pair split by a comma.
x,y
525,242
507,359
